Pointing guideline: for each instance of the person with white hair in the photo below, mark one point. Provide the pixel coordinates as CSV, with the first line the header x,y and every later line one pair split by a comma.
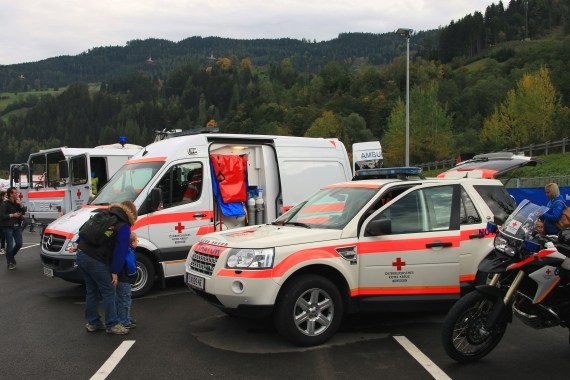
x,y
556,206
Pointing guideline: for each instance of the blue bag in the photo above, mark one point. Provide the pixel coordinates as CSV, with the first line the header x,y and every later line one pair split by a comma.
x,y
131,263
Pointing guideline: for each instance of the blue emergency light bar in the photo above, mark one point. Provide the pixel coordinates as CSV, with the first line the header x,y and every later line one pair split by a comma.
x,y
404,172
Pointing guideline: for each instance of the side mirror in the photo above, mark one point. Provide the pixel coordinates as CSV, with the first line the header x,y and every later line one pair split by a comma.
x,y
155,198
378,227
63,169
16,174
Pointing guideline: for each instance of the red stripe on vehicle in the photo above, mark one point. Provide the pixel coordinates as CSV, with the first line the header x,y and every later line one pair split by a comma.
x,y
354,184
410,290
390,246
205,230
68,235
46,194
238,273
280,269
172,218
539,255
146,159
467,278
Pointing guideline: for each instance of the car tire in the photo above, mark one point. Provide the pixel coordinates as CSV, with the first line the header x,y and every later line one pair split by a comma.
x,y
309,310
145,276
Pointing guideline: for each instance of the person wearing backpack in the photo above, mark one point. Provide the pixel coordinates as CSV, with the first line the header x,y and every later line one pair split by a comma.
x,y
101,263
556,206
126,277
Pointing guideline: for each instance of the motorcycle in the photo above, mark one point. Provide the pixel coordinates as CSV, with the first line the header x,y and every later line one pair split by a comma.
x,y
528,276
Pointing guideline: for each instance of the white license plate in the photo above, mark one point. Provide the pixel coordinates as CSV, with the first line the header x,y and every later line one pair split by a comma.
x,y
195,281
48,272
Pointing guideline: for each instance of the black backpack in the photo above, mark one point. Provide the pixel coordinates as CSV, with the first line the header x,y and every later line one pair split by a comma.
x,y
100,227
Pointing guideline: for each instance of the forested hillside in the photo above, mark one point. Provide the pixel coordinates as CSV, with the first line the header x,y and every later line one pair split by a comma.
x,y
484,82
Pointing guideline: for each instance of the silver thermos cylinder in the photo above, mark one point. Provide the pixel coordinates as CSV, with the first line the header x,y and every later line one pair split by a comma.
x,y
251,211
259,209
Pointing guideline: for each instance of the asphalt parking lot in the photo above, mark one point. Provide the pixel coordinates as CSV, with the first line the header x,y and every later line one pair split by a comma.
x,y
179,335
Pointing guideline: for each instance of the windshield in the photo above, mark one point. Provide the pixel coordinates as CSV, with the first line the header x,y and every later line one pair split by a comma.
x,y
127,183
330,208
521,222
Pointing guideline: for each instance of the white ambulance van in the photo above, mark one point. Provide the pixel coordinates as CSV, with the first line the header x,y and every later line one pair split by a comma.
x,y
56,181
187,186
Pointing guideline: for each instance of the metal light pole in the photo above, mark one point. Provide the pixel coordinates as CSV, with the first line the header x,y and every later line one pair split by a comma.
x,y
406,33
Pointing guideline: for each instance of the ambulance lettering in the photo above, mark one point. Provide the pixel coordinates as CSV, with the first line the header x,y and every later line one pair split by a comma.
x,y
399,275
178,237
370,155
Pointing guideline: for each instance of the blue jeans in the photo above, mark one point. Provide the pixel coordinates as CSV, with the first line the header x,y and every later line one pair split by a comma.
x,y
12,234
98,279
124,303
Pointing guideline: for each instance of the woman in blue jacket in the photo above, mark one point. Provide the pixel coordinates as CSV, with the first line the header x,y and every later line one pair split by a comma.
x,y
556,206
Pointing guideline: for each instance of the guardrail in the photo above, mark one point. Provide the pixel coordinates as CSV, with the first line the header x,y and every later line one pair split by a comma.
x,y
558,146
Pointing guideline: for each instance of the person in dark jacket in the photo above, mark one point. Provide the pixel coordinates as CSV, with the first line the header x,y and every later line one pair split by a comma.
x,y
12,215
556,206
2,237
100,266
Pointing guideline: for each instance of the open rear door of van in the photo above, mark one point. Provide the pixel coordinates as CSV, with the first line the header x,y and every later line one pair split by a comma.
x,y
367,155
490,165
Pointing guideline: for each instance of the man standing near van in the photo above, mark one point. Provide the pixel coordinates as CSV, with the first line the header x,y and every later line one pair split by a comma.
x,y
11,215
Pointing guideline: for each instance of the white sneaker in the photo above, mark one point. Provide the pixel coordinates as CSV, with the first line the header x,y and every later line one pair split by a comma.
x,y
2,251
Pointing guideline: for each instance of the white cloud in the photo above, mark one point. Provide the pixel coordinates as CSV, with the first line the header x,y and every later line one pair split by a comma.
x,y
36,29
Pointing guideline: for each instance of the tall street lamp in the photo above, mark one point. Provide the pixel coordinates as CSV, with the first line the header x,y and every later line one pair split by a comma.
x,y
407,33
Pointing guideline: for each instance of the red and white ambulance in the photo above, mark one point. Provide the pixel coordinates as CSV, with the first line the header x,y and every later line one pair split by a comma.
x,y
370,245
56,181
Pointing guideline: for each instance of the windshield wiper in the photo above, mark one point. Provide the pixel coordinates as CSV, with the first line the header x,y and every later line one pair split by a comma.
x,y
299,224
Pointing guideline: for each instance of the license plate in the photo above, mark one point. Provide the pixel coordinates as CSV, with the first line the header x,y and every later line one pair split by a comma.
x,y
48,272
195,281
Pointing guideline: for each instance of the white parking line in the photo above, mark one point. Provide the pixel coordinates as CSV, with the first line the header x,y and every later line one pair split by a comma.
x,y
29,246
113,360
429,366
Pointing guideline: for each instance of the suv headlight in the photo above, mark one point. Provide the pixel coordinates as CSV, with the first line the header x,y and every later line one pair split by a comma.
x,y
250,258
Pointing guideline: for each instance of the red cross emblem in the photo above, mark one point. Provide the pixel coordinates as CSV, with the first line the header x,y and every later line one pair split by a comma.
x,y
78,193
399,264
548,271
179,227
20,195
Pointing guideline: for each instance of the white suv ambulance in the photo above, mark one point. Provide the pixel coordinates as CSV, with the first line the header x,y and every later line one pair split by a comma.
x,y
371,245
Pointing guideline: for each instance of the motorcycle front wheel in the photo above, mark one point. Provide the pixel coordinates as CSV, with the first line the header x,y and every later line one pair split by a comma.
x,y
464,336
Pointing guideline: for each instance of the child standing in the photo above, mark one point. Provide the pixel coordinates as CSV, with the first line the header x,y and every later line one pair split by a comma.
x,y
123,297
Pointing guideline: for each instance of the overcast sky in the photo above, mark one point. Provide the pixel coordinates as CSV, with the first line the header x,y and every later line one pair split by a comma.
x,y
32,30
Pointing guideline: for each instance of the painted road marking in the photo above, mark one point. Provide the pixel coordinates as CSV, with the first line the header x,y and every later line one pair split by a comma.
x,y
113,360
29,246
429,366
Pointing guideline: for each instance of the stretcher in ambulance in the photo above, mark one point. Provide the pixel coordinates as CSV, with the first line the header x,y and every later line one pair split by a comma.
x,y
187,186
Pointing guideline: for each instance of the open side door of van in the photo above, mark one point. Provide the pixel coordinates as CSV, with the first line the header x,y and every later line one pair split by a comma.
x,y
80,181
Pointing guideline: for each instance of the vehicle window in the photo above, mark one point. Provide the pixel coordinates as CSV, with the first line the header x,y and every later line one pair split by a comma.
x,y
423,210
78,169
181,184
498,200
38,171
127,183
468,212
331,208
